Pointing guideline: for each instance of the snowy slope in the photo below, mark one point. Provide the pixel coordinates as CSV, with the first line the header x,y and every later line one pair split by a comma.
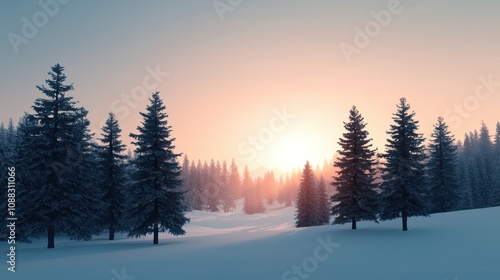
x,y
460,245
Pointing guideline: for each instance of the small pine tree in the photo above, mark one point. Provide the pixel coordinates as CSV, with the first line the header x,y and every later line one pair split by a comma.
x,y
356,194
228,194
212,187
307,210
247,186
496,166
442,170
485,165
111,162
323,202
403,188
156,203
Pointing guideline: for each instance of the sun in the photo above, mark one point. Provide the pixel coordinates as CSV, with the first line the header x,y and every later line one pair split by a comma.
x,y
293,150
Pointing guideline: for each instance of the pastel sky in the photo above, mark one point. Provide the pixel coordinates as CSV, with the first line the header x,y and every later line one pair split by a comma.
x,y
268,83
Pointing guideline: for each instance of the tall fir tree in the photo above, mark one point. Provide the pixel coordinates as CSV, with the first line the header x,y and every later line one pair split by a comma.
x,y
403,188
62,199
307,211
156,203
442,167
356,197
112,179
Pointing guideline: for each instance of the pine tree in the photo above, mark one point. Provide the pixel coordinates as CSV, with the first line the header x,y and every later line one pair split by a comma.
x,y
196,188
253,198
442,170
111,162
269,187
403,190
323,202
356,194
463,176
212,187
228,194
485,165
62,199
496,167
186,182
235,180
156,204
307,211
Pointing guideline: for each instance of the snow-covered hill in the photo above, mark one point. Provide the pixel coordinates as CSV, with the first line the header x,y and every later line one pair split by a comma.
x,y
460,245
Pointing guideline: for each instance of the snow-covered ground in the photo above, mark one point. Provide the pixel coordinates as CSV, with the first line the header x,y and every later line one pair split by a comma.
x,y
454,246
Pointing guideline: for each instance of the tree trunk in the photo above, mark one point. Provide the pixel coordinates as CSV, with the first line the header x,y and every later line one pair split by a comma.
x,y
112,231
353,223
155,234
51,236
405,220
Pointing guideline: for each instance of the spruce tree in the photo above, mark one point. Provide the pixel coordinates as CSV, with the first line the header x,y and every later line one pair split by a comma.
x,y
253,198
212,187
307,211
356,197
496,167
186,182
156,203
442,170
196,188
235,180
323,202
485,165
403,187
111,162
62,199
228,194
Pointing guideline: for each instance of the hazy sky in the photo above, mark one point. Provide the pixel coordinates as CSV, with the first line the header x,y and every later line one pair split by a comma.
x,y
266,82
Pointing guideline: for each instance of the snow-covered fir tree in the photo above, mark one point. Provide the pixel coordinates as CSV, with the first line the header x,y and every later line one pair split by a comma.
x,y
356,197
112,179
403,188
155,202
307,211
442,170
60,197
